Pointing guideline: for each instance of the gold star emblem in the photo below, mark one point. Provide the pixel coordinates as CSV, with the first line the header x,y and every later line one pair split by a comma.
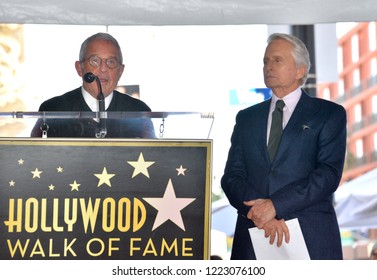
x,y
51,187
36,173
181,170
75,186
104,178
21,161
141,166
12,183
60,169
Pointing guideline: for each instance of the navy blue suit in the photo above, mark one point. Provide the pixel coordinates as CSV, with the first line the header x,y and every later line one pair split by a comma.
x,y
300,181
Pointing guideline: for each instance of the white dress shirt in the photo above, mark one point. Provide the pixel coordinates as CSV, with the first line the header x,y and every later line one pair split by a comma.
x,y
93,102
290,101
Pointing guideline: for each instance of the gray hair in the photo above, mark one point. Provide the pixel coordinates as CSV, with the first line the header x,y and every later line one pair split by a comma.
x,y
100,37
299,51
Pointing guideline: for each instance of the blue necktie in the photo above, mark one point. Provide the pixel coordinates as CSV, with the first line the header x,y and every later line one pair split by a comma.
x,y
276,129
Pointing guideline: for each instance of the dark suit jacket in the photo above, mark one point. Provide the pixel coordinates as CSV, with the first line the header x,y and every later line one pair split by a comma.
x,y
117,128
300,181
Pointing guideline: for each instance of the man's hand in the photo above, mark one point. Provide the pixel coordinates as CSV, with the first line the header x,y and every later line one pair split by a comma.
x,y
276,228
261,211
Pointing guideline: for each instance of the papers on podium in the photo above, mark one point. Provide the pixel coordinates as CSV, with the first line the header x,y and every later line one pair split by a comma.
x,y
294,250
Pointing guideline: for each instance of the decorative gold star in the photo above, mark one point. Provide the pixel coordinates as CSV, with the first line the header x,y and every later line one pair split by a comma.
x,y
75,186
21,161
60,169
51,187
12,183
181,170
104,178
141,166
169,207
36,173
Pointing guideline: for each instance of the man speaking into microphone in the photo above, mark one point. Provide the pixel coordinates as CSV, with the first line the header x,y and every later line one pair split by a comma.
x,y
101,61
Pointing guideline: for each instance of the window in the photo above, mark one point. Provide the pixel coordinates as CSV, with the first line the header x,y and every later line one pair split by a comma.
x,y
359,148
357,113
355,48
373,67
356,77
341,87
372,36
374,104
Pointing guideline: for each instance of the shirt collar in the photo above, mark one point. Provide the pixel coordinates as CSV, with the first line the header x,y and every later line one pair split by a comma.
x,y
93,102
290,100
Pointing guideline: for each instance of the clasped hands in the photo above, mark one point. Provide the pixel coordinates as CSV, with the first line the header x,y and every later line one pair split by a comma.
x,y
262,213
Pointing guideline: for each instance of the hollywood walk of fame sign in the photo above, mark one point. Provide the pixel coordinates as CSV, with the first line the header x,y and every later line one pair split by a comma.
x,y
105,199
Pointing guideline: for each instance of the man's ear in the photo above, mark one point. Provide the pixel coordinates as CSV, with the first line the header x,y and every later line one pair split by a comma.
x,y
79,68
301,72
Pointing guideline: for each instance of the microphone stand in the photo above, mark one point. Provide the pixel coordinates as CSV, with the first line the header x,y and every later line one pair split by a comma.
x,y
102,129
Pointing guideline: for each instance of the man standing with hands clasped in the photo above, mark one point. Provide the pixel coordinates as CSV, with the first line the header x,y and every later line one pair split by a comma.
x,y
286,158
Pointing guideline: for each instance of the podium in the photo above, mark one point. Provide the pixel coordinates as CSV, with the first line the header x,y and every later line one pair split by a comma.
x,y
84,198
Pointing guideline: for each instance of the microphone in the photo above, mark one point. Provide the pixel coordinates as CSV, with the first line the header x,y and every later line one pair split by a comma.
x,y
89,78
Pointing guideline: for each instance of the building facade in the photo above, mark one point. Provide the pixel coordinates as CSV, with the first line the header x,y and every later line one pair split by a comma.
x,y
356,90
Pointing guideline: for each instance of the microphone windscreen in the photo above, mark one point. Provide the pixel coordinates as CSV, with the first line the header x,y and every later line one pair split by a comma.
x,y
89,77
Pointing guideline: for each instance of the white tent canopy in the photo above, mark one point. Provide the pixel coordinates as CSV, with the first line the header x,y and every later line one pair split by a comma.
x,y
188,12
356,202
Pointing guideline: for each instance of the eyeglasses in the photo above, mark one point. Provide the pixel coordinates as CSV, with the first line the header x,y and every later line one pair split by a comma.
x,y
96,62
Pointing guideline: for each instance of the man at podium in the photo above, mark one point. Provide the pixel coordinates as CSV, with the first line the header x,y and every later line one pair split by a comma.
x,y
101,66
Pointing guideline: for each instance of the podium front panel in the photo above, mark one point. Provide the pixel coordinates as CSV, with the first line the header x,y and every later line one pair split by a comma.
x,y
105,199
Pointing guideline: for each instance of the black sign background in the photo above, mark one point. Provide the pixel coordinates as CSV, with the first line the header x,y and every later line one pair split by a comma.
x,y
41,176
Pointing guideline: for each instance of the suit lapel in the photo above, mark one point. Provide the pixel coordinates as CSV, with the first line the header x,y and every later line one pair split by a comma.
x,y
261,127
301,115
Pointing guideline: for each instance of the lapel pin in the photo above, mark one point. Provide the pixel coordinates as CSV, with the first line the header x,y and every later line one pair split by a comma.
x,y
304,126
